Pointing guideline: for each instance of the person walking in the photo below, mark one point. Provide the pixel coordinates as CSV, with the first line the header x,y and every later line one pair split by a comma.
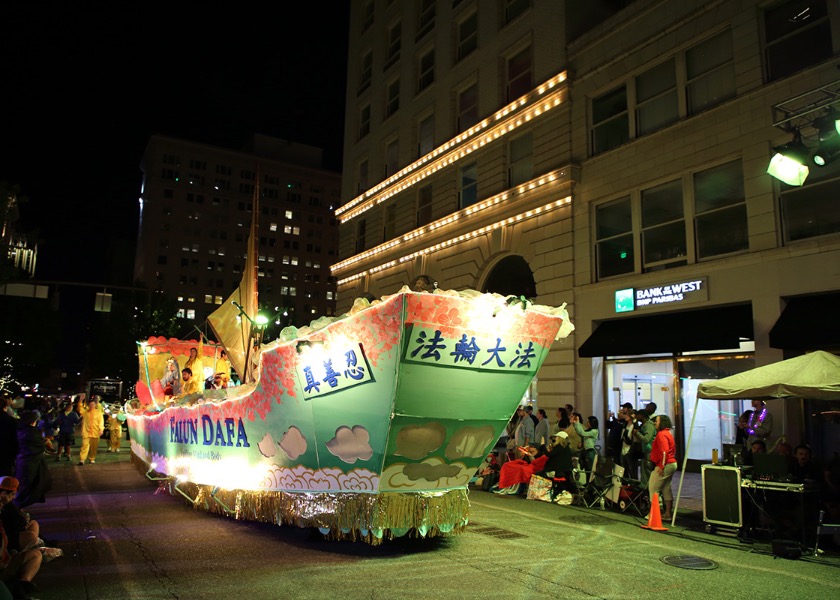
x,y
66,421
115,421
93,424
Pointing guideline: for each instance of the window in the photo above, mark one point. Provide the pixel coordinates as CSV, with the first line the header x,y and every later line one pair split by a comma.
x,y
469,185
468,108
363,177
426,136
663,227
426,21
705,71
367,19
656,98
208,299
364,121
424,205
519,74
797,34
720,211
467,35
394,43
610,123
392,157
361,233
521,167
614,253
710,73
366,72
812,210
393,100
426,70
389,222
514,8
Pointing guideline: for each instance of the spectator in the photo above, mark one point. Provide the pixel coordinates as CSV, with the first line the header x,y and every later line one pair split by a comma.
x,y
22,532
559,463
564,423
8,438
645,434
589,435
804,468
615,427
629,460
515,474
93,424
66,421
524,434
663,455
32,469
741,431
19,569
541,429
784,449
760,425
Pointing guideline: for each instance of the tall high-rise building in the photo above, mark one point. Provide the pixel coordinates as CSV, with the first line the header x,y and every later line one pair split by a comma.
x,y
195,216
612,155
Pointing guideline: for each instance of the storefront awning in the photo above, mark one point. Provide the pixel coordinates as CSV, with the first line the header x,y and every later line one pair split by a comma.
x,y
808,323
704,329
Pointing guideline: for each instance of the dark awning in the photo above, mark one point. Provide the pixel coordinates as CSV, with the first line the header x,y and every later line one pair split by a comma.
x,y
683,331
808,323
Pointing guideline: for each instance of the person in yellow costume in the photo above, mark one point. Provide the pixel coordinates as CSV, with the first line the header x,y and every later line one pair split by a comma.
x,y
195,363
115,421
93,424
189,383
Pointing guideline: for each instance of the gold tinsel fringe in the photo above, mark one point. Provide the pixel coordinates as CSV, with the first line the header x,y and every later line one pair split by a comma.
x,y
371,518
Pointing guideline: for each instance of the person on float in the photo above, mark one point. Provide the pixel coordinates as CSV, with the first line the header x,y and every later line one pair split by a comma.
x,y
189,384
171,380
663,455
93,424
195,363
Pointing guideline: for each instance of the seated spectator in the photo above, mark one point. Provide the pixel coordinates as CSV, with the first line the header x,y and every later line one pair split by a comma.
x,y
17,569
804,467
784,449
514,473
559,463
22,532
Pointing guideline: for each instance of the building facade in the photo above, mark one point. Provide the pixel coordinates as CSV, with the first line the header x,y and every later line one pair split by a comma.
x,y
195,215
617,155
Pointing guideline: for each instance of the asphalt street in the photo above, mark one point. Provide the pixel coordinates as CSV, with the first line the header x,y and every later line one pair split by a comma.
x,y
124,540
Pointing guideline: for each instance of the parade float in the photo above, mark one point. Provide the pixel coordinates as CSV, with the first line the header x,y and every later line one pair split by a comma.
x,y
367,426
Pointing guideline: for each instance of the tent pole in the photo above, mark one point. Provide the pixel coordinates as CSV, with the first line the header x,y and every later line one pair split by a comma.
x,y
685,461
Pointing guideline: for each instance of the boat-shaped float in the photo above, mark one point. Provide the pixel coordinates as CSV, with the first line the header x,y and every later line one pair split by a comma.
x,y
368,426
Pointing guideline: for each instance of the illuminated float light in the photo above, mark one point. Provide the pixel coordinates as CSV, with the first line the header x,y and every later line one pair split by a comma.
x,y
492,201
475,130
459,239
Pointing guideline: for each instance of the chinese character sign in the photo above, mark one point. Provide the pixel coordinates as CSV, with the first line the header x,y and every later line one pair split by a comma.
x,y
323,370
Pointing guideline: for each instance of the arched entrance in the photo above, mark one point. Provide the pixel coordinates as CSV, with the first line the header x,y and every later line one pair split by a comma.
x,y
511,276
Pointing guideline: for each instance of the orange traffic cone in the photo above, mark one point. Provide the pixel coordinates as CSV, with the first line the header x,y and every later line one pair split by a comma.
x,y
655,519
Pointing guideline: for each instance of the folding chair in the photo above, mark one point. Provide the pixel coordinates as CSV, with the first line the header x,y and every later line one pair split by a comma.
x,y
599,483
632,496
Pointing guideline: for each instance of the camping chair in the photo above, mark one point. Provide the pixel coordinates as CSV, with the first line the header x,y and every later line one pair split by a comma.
x,y
632,496
600,482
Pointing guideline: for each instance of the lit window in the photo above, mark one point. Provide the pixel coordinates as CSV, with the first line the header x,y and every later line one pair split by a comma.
x,y
208,299
294,260
329,295
180,298
288,214
217,300
191,314
272,227
180,313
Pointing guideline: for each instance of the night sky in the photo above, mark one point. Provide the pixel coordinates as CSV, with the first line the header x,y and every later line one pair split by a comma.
x,y
85,84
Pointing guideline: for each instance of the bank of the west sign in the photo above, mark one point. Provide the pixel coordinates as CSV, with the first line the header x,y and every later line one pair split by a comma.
x,y
681,291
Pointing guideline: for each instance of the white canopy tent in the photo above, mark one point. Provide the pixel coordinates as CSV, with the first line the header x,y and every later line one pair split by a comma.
x,y
814,376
